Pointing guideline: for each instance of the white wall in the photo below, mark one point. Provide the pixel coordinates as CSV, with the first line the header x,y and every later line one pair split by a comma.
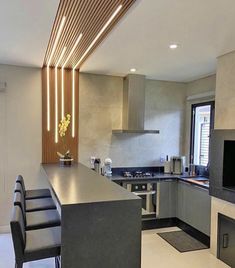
x,y
20,133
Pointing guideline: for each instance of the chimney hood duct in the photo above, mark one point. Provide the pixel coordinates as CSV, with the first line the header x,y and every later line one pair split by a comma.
x,y
133,113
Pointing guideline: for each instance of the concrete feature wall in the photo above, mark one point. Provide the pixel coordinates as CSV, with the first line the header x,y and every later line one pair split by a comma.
x,y
202,85
224,119
225,92
100,111
20,133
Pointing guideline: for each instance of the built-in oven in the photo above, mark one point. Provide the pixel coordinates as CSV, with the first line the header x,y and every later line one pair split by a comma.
x,y
147,192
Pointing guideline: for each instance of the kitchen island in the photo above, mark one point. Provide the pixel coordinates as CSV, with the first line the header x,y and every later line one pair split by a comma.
x,y
100,221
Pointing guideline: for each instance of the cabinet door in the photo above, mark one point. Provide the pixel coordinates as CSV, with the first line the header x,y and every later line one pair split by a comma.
x,y
181,205
194,206
227,240
166,199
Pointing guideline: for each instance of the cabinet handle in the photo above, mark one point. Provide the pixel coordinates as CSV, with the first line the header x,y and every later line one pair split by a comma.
x,y
144,193
225,240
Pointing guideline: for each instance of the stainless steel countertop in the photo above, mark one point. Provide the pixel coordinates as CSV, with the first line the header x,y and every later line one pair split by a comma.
x,y
78,185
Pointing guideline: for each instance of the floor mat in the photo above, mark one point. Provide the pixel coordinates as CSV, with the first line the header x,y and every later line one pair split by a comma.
x,y
182,241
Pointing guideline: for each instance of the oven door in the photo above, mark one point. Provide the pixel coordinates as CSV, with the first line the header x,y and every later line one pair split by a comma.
x,y
147,192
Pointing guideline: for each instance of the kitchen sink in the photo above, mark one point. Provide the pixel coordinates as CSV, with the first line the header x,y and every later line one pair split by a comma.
x,y
198,180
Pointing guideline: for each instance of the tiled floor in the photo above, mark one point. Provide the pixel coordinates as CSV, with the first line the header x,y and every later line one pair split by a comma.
x,y
155,253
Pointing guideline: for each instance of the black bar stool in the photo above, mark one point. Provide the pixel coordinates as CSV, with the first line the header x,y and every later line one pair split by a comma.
x,y
35,204
36,244
33,194
37,219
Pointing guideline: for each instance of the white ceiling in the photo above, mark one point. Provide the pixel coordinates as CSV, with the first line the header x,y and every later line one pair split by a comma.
x,y
204,29
25,27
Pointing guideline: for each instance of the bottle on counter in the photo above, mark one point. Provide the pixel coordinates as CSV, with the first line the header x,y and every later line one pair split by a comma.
x,y
167,166
97,165
92,162
192,170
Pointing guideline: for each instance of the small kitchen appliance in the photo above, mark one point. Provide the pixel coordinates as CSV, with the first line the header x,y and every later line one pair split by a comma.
x,y
177,165
107,167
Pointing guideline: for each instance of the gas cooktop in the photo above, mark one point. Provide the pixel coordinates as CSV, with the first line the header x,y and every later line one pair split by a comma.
x,y
137,174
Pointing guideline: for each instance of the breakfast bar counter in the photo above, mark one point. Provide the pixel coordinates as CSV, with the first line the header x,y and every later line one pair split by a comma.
x,y
100,221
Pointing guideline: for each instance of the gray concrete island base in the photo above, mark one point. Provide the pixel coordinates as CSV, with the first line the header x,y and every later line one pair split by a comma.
x,y
101,221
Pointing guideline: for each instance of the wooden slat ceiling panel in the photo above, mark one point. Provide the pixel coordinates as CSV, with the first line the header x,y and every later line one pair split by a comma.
x,y
82,16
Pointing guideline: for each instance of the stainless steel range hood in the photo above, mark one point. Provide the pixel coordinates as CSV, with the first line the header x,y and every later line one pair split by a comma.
x,y
133,113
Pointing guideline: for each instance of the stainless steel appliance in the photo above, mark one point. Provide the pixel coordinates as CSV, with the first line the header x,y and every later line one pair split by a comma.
x,y
137,174
107,168
177,165
133,112
147,193
145,190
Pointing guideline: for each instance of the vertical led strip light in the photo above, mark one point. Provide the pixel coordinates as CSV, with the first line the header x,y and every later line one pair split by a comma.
x,y
62,75
83,56
73,104
48,72
56,95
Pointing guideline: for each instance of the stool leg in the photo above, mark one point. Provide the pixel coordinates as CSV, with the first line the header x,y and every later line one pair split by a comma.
x,y
18,265
57,263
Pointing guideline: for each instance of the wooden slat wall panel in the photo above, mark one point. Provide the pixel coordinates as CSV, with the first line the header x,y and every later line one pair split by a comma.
x,y
86,17
49,147
82,16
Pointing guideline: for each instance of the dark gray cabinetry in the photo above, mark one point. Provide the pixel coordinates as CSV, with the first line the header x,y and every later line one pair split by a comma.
x,y
226,232
194,206
166,199
219,186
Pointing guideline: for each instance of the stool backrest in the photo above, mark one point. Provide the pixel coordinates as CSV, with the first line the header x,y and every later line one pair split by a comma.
x,y
18,232
19,188
20,179
20,201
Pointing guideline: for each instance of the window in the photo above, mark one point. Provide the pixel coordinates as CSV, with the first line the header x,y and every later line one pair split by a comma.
x,y
201,124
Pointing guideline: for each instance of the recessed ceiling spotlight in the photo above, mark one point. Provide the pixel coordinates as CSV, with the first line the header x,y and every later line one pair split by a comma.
x,y
133,70
173,46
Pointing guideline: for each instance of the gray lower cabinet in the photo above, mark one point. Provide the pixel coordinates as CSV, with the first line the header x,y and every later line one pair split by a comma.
x,y
166,199
226,232
194,206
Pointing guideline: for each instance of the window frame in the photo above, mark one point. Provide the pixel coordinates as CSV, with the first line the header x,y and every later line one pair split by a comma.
x,y
192,132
